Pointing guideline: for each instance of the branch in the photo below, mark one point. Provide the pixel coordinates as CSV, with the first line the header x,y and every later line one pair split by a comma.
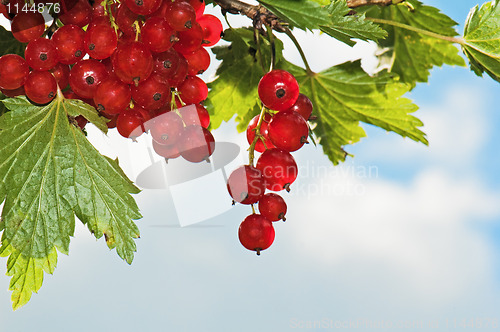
x,y
359,3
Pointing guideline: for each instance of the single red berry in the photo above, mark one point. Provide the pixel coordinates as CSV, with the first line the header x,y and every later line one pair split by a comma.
x,y
198,61
189,40
13,71
196,144
180,15
180,74
81,121
166,63
27,26
246,185
278,90
125,19
278,168
40,87
41,54
193,90
259,146
112,96
112,119
195,115
152,93
143,7
167,128
130,124
77,13
68,41
212,29
303,106
288,130
166,151
61,74
100,41
14,92
273,207
132,62
157,35
256,233
85,76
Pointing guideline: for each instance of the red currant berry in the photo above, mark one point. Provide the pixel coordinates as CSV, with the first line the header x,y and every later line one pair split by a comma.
x,y
68,41
14,92
132,62
27,26
112,96
166,63
61,74
288,130
13,71
112,119
81,121
41,54
180,73
246,185
198,61
180,15
100,41
143,7
212,29
152,93
273,207
303,106
85,76
157,35
125,19
256,233
167,128
196,144
40,87
189,40
193,90
130,124
278,168
78,14
166,151
195,115
278,90
259,146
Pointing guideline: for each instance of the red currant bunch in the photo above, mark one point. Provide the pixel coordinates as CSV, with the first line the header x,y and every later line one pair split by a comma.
x,y
281,128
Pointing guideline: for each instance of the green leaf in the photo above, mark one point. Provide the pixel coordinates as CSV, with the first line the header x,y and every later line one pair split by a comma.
x,y
234,92
345,27
304,14
482,39
49,173
410,54
9,44
344,95
3,109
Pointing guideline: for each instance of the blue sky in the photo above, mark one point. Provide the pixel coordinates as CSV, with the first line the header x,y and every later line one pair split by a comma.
x,y
401,234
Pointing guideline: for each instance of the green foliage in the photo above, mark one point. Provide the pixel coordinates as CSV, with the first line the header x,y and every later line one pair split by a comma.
x,y
345,95
410,54
344,27
303,14
482,39
49,173
9,44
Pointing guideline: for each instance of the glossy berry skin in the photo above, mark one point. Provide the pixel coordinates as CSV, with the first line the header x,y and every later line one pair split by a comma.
x,y
278,90
246,185
157,35
167,128
14,92
212,29
40,87
166,63
100,41
78,13
13,71
193,90
288,130
196,144
303,106
112,96
256,233
273,207
198,61
195,115
41,54
27,26
132,62
143,7
152,93
259,146
125,19
61,74
180,15
85,76
130,124
68,41
166,151
189,40
278,168
180,73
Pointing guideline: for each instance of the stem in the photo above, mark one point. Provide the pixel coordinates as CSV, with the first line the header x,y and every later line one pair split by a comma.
x,y
460,41
256,36
359,3
137,30
273,47
299,48
251,149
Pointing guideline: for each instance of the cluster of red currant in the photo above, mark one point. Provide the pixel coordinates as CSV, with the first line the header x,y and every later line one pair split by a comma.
x,y
141,71
281,128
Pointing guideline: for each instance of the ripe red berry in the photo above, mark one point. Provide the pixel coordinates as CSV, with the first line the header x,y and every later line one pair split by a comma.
x,y
41,54
278,90
278,168
303,106
166,151
130,124
166,63
198,61
27,26
157,35
288,130
100,41
180,74
189,40
180,15
273,207
256,233
195,115
259,146
78,13
125,19
14,92
132,62
61,74
196,144
68,41
40,87
212,29
13,71
143,7
152,93
112,96
193,90
167,128
85,76
246,185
